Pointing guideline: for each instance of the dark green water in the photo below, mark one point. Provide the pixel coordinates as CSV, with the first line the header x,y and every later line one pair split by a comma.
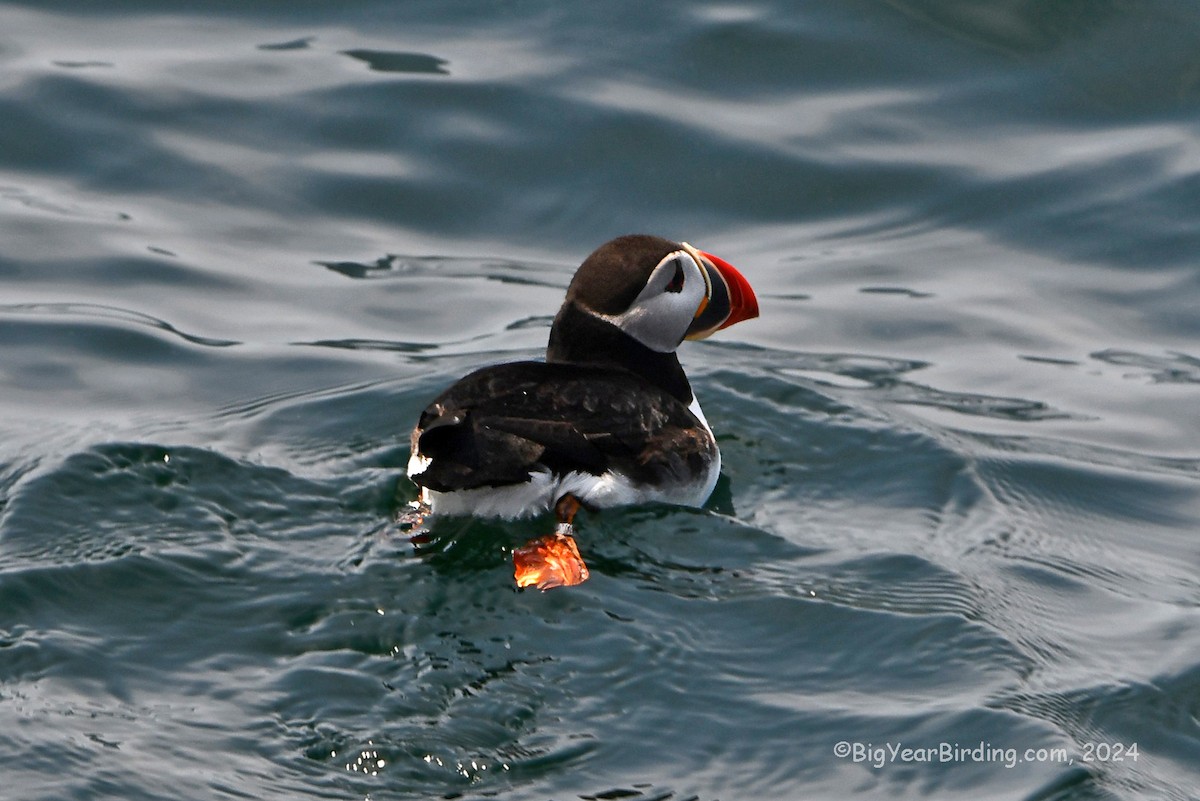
x,y
243,244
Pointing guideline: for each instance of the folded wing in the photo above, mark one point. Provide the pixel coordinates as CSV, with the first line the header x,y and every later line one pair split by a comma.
x,y
498,425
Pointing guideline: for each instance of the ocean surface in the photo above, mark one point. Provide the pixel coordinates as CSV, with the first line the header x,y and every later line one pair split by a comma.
x,y
955,551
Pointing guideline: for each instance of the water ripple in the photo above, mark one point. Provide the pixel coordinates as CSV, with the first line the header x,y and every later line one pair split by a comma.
x,y
399,62
1173,368
102,312
395,266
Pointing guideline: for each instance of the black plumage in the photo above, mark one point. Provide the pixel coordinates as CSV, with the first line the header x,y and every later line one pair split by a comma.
x,y
581,338
497,425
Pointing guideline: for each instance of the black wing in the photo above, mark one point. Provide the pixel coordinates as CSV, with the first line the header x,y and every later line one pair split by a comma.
x,y
498,424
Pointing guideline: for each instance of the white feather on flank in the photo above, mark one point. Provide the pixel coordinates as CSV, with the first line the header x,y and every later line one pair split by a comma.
x,y
543,489
418,463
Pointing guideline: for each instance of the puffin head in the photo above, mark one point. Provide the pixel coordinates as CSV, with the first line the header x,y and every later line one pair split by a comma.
x,y
661,292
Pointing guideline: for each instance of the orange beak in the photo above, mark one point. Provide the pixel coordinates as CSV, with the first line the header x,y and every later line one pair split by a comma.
x,y
729,300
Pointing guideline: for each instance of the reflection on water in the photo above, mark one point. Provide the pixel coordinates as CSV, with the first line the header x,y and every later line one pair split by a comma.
x,y
959,447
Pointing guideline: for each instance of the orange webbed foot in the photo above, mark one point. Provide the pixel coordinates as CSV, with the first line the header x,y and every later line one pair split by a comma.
x,y
553,560
550,561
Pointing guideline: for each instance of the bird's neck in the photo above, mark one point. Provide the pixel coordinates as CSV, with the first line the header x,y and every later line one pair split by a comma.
x,y
581,338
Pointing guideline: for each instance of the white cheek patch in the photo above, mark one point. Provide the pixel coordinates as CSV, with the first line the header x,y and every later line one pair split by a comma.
x,y
658,317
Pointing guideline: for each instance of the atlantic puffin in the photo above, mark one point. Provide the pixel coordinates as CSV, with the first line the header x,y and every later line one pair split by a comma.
x,y
609,417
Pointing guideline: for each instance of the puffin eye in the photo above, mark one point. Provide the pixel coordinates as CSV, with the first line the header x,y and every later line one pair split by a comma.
x,y
676,284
